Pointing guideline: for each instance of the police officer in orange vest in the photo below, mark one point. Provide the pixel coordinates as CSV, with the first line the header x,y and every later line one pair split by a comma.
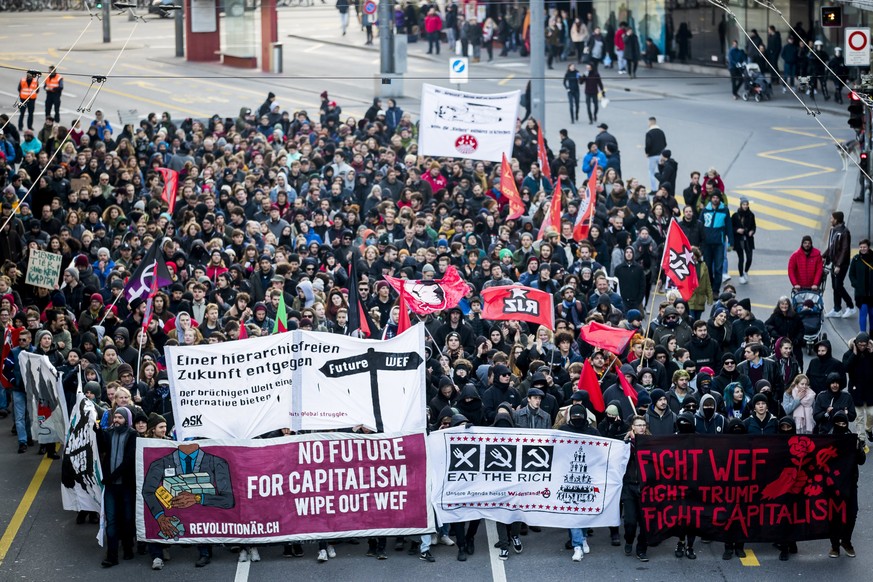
x,y
28,87
54,86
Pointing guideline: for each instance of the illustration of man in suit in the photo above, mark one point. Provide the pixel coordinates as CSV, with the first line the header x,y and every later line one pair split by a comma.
x,y
186,461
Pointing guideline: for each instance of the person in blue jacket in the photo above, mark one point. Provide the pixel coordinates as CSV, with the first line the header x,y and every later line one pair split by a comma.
x,y
717,228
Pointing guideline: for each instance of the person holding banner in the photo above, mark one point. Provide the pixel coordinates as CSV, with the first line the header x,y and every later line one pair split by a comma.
x,y
841,531
631,498
117,445
577,423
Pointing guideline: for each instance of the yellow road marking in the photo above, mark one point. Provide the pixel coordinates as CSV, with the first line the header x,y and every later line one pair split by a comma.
x,y
764,224
783,201
800,131
762,306
783,179
750,560
506,80
140,98
23,507
771,155
786,216
805,195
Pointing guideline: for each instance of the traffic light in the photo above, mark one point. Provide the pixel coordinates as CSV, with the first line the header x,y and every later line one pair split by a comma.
x,y
864,162
831,16
856,112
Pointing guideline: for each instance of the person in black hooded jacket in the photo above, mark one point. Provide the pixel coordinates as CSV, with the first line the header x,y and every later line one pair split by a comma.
x,y
500,391
841,532
707,419
470,405
787,428
822,365
831,401
728,374
612,426
447,396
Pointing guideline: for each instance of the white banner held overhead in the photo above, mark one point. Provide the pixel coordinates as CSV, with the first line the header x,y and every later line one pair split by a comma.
x,y
299,380
459,124
45,398
541,477
378,384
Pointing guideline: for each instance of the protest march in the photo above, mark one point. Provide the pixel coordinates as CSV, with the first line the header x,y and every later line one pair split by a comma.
x,y
288,330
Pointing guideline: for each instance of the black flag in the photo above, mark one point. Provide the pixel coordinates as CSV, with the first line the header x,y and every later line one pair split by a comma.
x,y
140,283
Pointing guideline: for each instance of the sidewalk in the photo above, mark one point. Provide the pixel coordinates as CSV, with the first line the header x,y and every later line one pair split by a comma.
x,y
662,80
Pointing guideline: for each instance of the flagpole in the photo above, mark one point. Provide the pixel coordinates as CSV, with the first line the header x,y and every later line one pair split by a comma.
x,y
110,305
658,280
140,331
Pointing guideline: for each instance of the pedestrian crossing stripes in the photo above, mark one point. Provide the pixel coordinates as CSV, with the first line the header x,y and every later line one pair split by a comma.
x,y
789,208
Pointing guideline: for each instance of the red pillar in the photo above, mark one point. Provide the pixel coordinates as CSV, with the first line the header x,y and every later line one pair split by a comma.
x,y
205,45
269,31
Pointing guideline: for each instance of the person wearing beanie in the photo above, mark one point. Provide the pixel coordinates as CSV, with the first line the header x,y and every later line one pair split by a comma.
x,y
631,494
858,363
612,426
659,417
499,391
117,446
761,421
140,422
707,419
729,374
805,266
74,292
532,415
841,534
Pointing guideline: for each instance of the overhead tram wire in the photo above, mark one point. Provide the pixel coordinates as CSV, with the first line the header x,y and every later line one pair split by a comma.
x,y
815,115
84,107
54,68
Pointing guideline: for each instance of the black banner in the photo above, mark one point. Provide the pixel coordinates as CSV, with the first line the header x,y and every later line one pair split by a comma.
x,y
746,488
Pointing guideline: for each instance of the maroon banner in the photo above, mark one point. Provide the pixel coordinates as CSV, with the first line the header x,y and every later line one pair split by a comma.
x,y
515,302
741,488
313,486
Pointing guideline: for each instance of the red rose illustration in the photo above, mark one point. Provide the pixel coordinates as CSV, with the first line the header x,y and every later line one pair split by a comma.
x,y
800,446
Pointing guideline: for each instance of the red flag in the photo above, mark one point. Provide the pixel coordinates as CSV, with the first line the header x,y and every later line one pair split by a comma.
x,y
612,339
514,302
542,155
626,386
364,328
171,184
6,379
403,322
510,190
678,263
552,219
243,331
588,381
281,324
424,297
586,208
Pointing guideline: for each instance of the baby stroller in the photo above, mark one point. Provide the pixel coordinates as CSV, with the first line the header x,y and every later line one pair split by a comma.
x,y
756,85
809,305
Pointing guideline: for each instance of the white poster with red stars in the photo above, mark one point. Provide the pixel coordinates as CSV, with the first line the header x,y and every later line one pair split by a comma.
x,y
544,478
459,124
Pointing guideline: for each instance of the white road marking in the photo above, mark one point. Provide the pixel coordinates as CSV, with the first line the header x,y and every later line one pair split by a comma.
x,y
242,571
498,571
314,48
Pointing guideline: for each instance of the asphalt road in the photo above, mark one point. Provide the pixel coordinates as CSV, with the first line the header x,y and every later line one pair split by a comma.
x,y
774,153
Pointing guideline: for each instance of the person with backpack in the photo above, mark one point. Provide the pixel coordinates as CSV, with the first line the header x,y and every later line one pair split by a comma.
x,y
595,48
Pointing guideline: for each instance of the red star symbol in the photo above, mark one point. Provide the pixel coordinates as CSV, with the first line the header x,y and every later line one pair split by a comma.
x,y
524,440
576,509
466,438
502,440
561,441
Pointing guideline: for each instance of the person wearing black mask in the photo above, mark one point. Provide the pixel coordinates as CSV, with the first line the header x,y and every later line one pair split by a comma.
x,y
685,424
787,428
499,391
834,399
708,420
735,427
578,424
506,533
841,532
612,426
470,405
631,498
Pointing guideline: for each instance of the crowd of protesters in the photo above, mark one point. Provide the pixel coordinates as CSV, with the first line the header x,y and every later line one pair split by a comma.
x,y
275,206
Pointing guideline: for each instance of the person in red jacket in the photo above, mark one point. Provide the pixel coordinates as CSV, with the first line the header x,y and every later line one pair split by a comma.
x,y
433,25
805,266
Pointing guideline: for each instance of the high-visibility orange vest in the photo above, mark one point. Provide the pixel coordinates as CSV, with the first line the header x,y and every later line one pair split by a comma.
x,y
27,90
53,83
